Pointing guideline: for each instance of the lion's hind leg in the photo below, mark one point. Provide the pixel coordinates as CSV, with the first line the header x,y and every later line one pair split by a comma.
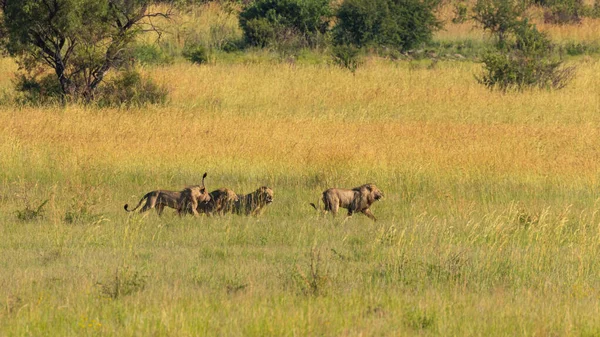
x,y
332,205
150,203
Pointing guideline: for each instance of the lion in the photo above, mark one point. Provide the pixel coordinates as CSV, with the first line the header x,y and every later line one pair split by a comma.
x,y
253,203
160,198
191,197
355,200
221,201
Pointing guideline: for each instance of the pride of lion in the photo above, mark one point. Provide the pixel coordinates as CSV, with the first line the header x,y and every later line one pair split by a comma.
x,y
196,200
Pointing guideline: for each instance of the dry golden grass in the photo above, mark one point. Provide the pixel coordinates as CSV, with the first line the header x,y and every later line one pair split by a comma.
x,y
386,116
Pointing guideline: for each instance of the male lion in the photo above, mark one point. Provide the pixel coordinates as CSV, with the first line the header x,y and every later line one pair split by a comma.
x,y
253,203
358,199
221,201
160,198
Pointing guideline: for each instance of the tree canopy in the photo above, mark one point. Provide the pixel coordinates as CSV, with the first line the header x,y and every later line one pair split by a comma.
x,y
80,40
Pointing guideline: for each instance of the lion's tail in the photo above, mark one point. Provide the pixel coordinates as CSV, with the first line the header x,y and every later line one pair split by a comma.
x,y
317,206
138,205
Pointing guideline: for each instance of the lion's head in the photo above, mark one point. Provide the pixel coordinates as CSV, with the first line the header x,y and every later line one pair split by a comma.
x,y
264,194
369,193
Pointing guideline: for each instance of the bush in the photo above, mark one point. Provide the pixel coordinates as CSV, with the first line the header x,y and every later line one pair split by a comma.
x,y
150,54
44,90
401,24
526,62
197,54
564,11
348,57
259,32
275,22
130,89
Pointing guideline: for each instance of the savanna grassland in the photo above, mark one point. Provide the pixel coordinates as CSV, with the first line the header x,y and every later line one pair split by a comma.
x,y
489,226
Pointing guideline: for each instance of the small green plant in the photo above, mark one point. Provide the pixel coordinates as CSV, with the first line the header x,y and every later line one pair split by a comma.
x,y
125,282
31,213
313,282
347,56
197,54
81,211
419,319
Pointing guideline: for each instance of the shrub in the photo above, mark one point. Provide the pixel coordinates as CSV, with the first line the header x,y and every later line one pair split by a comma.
x,y
30,213
196,53
130,89
273,22
347,56
43,90
126,281
401,24
526,62
564,11
150,54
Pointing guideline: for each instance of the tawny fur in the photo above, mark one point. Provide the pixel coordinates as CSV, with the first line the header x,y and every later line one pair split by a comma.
x,y
157,199
254,203
356,200
221,201
182,201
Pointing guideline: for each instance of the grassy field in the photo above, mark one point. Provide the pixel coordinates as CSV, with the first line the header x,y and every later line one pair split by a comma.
x,y
489,227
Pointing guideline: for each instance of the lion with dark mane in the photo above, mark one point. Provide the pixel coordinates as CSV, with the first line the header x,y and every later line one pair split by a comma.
x,y
253,203
356,200
221,201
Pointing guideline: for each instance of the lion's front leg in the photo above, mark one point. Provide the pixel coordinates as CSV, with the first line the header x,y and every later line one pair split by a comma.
x,y
368,213
194,204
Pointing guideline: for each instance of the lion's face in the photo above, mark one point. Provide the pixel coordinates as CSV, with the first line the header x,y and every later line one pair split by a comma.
x,y
266,194
375,192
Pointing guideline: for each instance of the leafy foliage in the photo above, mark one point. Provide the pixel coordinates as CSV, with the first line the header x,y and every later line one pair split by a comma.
x,y
78,40
270,22
563,11
498,16
197,54
401,24
347,56
525,62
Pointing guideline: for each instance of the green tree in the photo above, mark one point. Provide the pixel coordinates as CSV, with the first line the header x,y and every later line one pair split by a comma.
x,y
525,59
498,16
401,24
79,40
265,22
